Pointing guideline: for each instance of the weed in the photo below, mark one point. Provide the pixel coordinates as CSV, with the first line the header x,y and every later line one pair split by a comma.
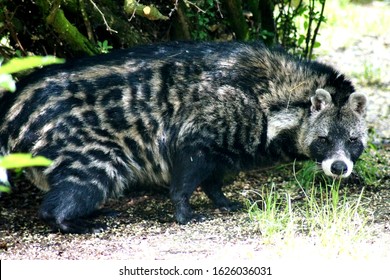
x,y
298,24
104,47
324,213
369,76
371,166
272,212
333,219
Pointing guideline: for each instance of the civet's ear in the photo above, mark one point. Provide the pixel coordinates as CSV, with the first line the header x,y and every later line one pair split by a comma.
x,y
357,102
320,100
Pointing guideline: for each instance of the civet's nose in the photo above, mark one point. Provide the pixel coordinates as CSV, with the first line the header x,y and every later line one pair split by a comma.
x,y
339,167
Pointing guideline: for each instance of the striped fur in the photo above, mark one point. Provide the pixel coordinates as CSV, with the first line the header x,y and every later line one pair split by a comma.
x,y
176,115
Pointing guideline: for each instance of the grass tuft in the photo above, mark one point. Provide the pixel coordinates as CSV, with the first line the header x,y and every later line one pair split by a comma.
x,y
323,214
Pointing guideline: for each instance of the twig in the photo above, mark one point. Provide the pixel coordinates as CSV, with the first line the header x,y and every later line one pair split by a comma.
x,y
148,11
309,26
8,22
219,9
133,14
174,8
313,40
291,90
196,6
108,28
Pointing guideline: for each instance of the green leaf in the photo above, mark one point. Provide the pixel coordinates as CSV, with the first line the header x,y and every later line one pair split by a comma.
x,y
5,189
23,63
317,45
301,39
7,82
23,160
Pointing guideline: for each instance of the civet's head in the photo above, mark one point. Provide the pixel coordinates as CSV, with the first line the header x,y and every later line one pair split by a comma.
x,y
335,136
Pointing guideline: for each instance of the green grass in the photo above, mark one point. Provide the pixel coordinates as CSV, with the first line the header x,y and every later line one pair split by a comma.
x,y
369,75
323,214
273,213
372,166
347,22
334,216
359,19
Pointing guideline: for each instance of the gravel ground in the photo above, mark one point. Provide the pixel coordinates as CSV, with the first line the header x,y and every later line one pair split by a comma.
x,y
145,230
370,57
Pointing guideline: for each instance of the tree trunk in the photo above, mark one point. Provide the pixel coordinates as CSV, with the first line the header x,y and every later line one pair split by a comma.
x,y
236,19
180,25
266,8
55,17
69,33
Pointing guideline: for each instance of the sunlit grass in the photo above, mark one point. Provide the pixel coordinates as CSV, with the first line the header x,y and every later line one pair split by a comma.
x,y
348,22
324,216
361,19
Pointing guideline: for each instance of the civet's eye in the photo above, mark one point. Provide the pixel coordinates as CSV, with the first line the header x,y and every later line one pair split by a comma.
x,y
323,139
353,139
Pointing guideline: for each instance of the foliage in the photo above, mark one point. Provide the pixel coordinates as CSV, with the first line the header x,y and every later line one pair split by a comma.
x,y
298,40
104,47
7,82
15,65
204,19
335,220
318,206
20,64
372,164
79,27
13,161
18,161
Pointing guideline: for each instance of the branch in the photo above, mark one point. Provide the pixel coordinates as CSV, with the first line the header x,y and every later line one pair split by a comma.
x,y
188,3
320,19
308,33
67,31
108,28
148,11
